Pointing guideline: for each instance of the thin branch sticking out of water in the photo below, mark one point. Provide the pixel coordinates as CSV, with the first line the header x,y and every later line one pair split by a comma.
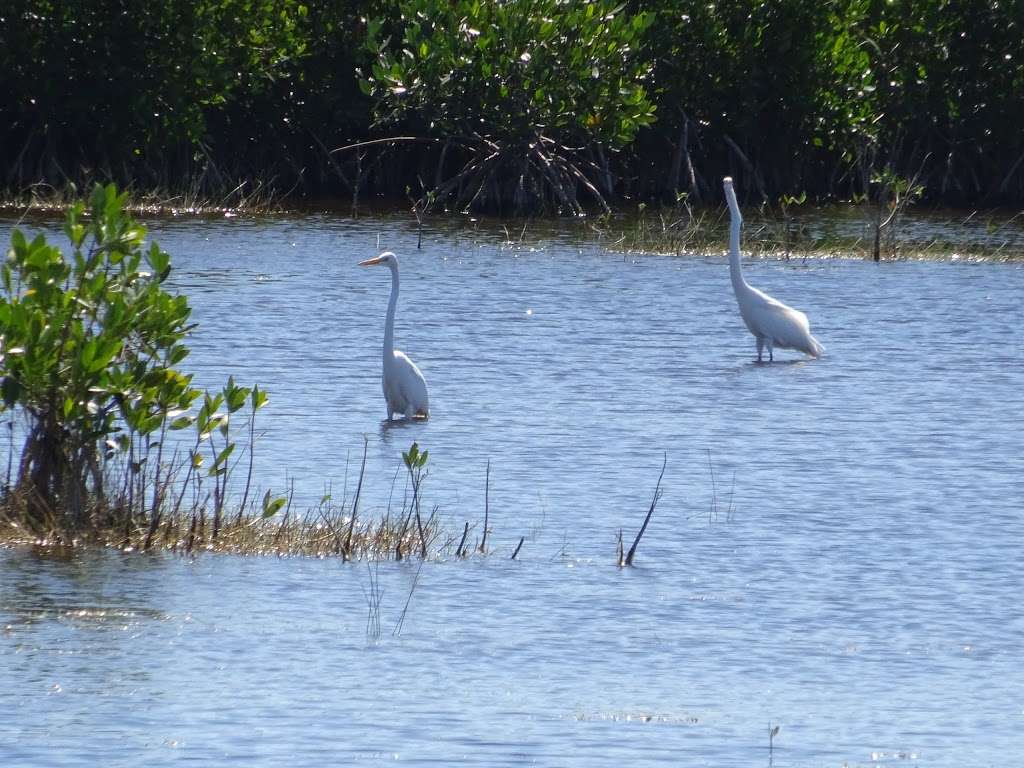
x,y
772,733
487,495
459,552
355,502
654,501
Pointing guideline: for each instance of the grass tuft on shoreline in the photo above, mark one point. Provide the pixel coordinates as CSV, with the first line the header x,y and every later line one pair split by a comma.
x,y
845,231
326,530
247,197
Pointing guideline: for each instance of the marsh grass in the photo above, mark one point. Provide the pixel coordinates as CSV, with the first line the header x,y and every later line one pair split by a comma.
x,y
798,231
259,196
790,230
327,529
715,509
191,517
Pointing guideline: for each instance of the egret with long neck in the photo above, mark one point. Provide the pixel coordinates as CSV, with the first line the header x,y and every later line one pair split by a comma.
x,y
405,389
773,323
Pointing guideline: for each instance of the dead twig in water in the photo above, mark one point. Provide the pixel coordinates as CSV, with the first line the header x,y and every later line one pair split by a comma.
x,y
772,733
487,494
518,547
657,495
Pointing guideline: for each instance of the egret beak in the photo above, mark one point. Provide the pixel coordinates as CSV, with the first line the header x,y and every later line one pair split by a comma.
x,y
371,262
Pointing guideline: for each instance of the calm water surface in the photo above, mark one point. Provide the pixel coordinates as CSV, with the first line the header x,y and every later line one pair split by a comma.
x,y
837,550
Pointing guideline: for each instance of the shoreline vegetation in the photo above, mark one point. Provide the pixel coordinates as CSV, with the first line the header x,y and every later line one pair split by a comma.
x,y
518,108
117,447
854,231
797,230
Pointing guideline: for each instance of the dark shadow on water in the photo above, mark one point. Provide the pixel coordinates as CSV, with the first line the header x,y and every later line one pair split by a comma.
x,y
778,363
399,425
755,365
79,587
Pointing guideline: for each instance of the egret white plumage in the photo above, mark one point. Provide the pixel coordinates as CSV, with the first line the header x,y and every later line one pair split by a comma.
x,y
773,323
405,389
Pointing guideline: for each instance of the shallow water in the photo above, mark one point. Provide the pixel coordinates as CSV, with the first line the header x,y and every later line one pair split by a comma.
x,y
837,550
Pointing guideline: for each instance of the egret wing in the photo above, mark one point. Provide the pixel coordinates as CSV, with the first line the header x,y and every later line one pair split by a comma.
x,y
785,326
412,385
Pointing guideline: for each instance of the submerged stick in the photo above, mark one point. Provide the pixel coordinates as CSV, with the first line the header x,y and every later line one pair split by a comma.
x,y
654,501
518,546
487,494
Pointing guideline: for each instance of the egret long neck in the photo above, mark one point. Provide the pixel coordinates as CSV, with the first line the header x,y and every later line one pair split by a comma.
x,y
389,324
735,268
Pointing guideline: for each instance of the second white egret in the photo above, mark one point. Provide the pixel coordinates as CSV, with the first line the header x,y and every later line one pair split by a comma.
x,y
405,389
773,323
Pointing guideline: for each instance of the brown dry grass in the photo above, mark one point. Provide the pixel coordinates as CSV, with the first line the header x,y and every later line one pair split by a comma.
x,y
323,531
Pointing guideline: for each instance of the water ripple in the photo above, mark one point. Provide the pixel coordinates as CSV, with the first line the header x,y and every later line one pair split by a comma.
x,y
836,551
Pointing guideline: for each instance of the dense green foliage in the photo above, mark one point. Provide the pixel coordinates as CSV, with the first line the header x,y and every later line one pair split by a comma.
x,y
748,86
89,349
518,103
522,88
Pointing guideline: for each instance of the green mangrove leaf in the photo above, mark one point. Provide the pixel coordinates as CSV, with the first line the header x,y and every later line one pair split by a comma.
x,y
271,506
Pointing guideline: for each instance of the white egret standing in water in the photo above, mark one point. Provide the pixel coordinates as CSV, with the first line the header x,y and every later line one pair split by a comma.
x,y
773,323
405,389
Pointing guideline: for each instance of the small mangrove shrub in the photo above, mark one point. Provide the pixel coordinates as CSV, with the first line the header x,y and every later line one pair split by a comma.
x,y
89,348
415,462
893,194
